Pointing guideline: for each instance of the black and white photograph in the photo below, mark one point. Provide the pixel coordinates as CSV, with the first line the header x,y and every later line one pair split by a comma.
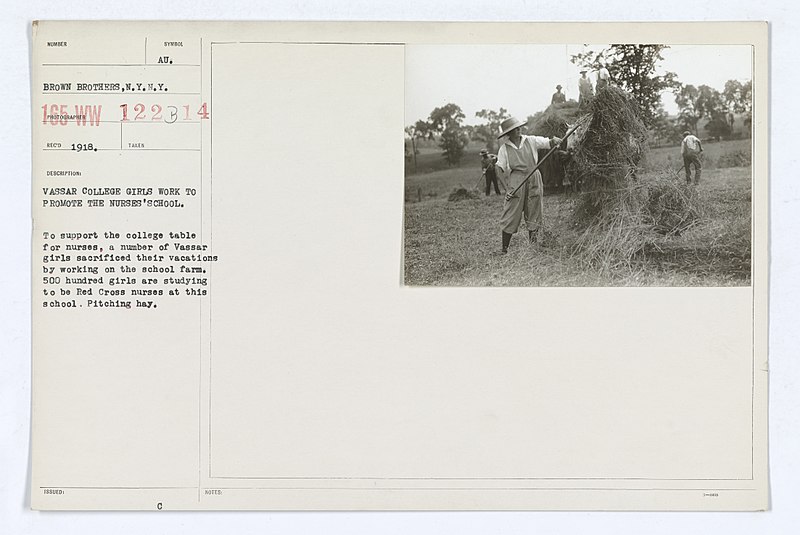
x,y
578,165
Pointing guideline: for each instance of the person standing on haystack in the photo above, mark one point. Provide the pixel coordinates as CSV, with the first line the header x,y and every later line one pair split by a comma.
x,y
558,96
487,163
603,77
585,90
515,160
691,147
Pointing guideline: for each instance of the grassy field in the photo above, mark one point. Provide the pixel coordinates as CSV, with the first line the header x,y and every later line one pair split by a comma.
x,y
723,154
451,243
429,159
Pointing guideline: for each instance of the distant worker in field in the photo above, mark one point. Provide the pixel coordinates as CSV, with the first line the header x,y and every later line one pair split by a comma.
x,y
558,96
487,163
603,77
585,90
691,147
516,159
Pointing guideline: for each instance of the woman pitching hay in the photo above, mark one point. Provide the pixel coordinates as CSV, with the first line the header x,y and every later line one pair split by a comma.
x,y
515,160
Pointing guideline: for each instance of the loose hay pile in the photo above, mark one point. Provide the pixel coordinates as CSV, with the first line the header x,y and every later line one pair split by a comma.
x,y
672,206
640,216
618,215
462,194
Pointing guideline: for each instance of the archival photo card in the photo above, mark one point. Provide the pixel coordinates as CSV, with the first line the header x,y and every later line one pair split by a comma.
x,y
246,297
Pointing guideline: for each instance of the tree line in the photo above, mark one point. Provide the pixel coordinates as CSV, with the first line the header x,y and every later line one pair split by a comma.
x,y
632,67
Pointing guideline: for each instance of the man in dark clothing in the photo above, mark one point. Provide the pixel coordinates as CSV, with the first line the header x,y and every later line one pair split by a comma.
x,y
487,163
558,96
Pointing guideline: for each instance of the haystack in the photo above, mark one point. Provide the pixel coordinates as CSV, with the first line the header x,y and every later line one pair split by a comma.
x,y
619,216
462,194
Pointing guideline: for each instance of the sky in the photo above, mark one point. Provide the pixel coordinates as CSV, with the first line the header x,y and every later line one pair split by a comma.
x,y
522,78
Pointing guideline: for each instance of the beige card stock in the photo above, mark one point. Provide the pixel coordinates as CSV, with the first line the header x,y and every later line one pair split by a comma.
x,y
220,320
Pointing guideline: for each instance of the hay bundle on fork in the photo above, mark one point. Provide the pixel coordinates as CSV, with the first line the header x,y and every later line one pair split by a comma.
x,y
618,215
610,142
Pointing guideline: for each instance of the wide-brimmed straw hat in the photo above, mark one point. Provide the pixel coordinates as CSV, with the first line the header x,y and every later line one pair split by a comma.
x,y
508,125
687,133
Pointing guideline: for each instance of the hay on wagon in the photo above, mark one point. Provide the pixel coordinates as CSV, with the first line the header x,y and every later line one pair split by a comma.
x,y
552,122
